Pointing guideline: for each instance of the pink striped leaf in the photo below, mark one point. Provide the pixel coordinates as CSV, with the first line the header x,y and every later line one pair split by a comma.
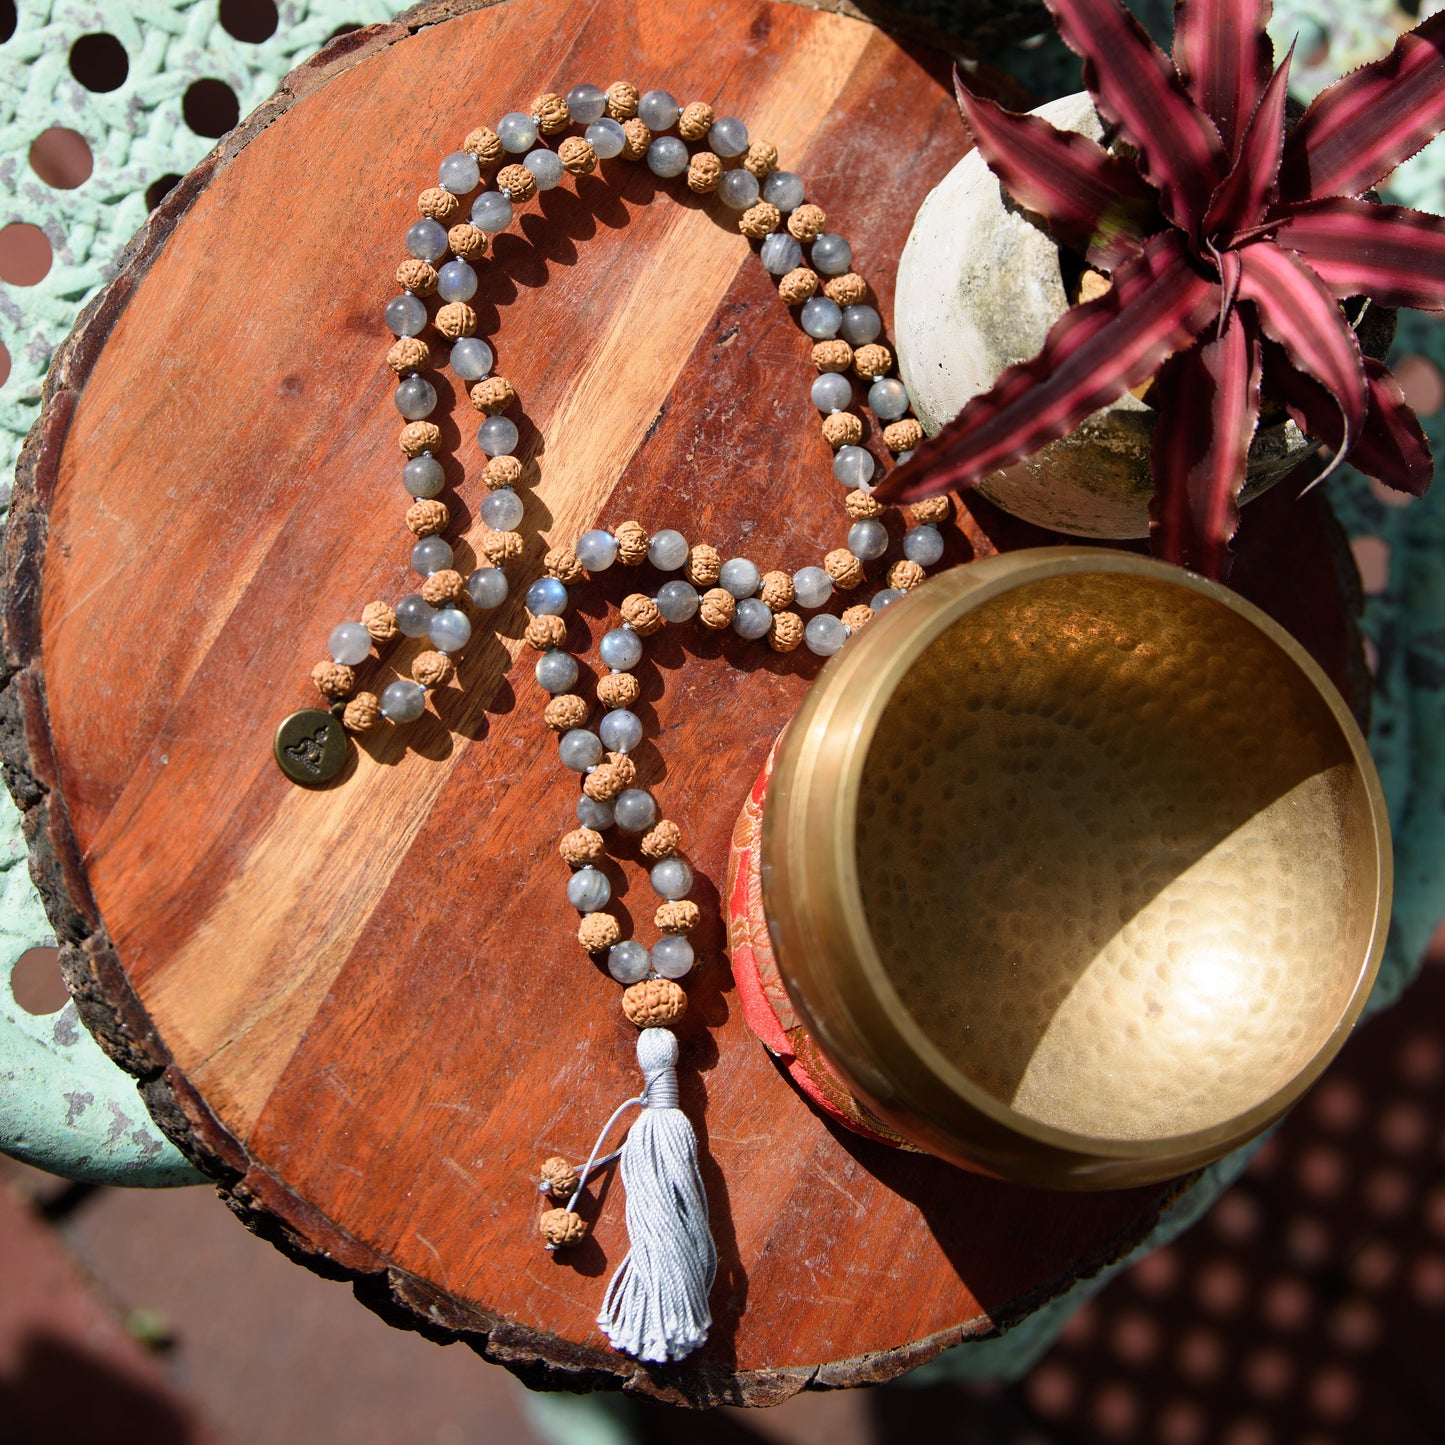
x,y
1360,128
1224,57
1392,254
1094,203
1244,193
1207,405
1095,352
1392,446
1135,85
1310,406
1297,311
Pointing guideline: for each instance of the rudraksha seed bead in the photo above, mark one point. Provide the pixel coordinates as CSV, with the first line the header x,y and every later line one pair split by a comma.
x,y
502,472
636,139
857,617
704,171
622,100
581,845
467,240
549,110
786,631
443,587
409,353
905,575
561,1227
844,568
717,608
333,679
439,205
696,120
872,361
518,182
577,156
654,1003
807,223
776,591
418,277
456,319
849,289
597,932
559,1177
485,144
703,566
562,563
499,548
632,539
432,669
565,712
862,505
608,779
640,613
759,220
677,916
427,518
546,633
931,509
419,436
798,286
662,840
835,355
362,713
492,397
379,620
618,689
903,436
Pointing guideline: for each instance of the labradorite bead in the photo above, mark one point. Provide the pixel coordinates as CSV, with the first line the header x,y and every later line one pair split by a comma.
x,y
923,545
853,466
812,586
672,956
861,324
546,168
471,358
450,630
887,399
667,550
738,190
832,392
491,212
784,190
739,576
596,550
585,103
349,644
657,110
456,281
546,597
431,554
517,132
824,634
459,173
606,137
579,749
405,315
592,814
556,672
423,476
821,318
620,731
677,601
831,255
780,253
620,649
427,240
728,136
502,510
487,587
868,539
884,598
667,157
752,618
672,878
416,398
497,436
588,890
635,810
628,962
403,701
414,614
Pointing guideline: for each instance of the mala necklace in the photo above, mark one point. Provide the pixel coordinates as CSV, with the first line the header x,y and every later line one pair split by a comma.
x,y
656,1305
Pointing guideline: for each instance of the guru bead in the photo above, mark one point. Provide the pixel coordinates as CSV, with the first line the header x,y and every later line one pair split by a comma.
x,y
654,1003
560,1227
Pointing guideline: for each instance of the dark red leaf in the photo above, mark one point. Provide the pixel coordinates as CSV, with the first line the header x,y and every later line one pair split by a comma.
x,y
1224,57
1392,254
1361,127
1158,303
1207,400
1244,193
1310,406
1094,202
1392,446
1297,311
1135,86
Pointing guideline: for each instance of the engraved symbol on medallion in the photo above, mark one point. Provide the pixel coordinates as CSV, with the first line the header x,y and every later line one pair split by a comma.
x,y
308,752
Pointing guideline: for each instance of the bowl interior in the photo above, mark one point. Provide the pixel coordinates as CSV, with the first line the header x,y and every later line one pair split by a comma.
x,y
1116,856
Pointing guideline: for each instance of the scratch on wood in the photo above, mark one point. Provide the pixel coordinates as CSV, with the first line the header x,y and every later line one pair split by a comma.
x,y
459,1171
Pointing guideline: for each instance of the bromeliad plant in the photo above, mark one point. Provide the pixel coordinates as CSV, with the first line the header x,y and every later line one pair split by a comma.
x,y
1231,246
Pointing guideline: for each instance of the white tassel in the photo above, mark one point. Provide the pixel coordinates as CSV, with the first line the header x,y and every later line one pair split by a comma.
x,y
656,1305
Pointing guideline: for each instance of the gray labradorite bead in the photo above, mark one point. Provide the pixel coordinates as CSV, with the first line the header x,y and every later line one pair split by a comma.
x,y
738,189
784,190
634,810
416,398
450,630
546,597
459,173
868,539
491,212
825,634
620,649
812,586
414,614
739,576
471,358
606,137
556,671
585,103
667,550
667,157
752,618
456,281
887,399
405,315
853,466
431,554
861,324
885,598
579,749
403,701
832,255
497,436
620,731
902,457
672,878
923,545
487,587
588,890
427,240
677,601
349,643
592,814
672,956
596,550
517,132
546,167
780,253
657,110
502,510
832,392
728,136
821,318
628,962
423,476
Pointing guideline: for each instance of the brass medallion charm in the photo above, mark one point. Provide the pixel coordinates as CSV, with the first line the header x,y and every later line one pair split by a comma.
x,y
310,746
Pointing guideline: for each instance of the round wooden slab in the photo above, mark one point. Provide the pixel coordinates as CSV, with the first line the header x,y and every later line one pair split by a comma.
x,y
363,1008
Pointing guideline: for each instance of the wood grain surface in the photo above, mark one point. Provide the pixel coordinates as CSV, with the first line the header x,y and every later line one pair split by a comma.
x,y
363,1009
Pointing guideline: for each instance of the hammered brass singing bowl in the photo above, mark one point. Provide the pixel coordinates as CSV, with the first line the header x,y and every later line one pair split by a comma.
x,y
1077,868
